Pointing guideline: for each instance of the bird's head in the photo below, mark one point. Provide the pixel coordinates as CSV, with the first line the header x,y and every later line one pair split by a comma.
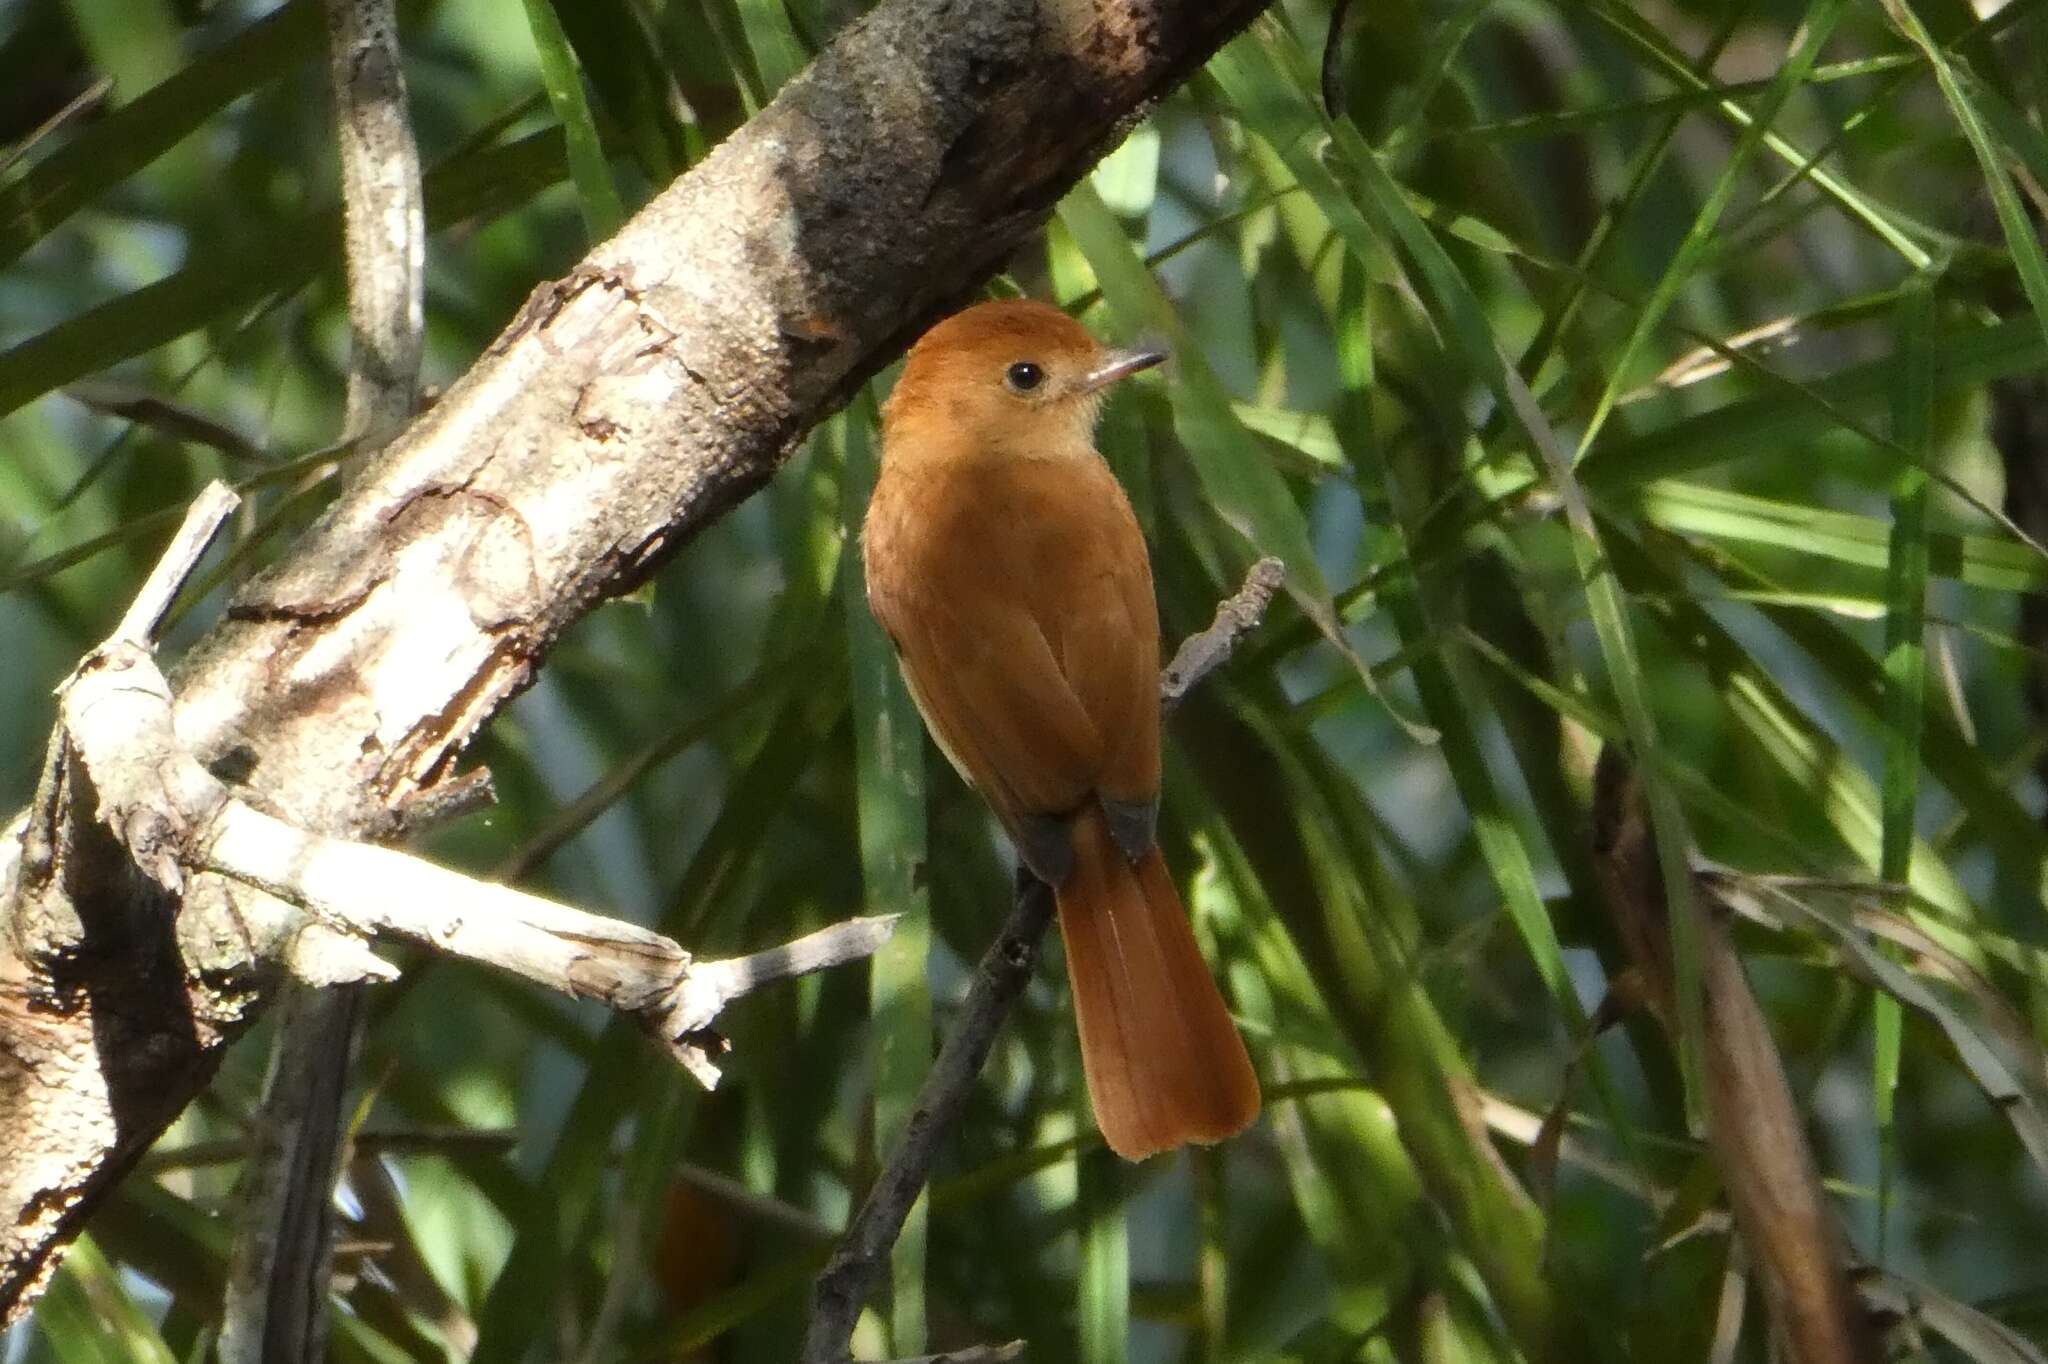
x,y
1014,372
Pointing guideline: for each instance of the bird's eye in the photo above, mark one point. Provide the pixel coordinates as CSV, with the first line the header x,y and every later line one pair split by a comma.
x,y
1024,376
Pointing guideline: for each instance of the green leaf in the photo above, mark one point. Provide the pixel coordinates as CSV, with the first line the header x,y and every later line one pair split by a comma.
x,y
1103,1313
222,282
1819,22
554,1229
1905,674
1354,929
1775,423
634,87
1889,225
562,74
889,803
118,145
1724,515
87,1316
2020,237
2011,1090
1258,74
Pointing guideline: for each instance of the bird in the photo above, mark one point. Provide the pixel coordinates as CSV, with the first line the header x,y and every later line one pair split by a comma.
x,y
1005,564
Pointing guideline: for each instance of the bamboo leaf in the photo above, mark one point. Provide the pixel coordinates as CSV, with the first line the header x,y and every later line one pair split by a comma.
x,y
2020,237
224,281
889,772
1905,673
562,74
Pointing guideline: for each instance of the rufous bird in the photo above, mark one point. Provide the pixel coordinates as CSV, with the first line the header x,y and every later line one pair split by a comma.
x,y
1005,563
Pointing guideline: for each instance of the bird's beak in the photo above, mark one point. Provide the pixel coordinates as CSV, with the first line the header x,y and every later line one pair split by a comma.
x,y
1119,364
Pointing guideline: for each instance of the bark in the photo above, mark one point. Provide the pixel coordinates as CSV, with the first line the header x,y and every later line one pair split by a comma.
x,y
624,408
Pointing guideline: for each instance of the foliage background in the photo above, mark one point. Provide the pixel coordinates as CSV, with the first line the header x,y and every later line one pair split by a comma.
x,y
1396,916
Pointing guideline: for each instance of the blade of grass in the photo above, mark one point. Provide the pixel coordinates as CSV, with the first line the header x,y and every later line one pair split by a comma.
x,y
1976,1334
121,143
562,76
1347,919
889,805
88,1318
1420,612
1965,358
1876,102
1550,123
2020,237
778,50
1259,74
2021,1104
2014,835
728,31
1819,22
1352,1183
1405,113
1606,237
1721,514
632,84
1103,1312
1836,785
1882,220
226,280
554,1230
1905,674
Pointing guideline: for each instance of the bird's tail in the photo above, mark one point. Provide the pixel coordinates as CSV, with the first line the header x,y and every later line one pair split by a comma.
x,y
1164,1062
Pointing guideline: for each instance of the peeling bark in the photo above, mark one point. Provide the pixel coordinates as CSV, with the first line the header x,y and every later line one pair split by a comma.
x,y
627,406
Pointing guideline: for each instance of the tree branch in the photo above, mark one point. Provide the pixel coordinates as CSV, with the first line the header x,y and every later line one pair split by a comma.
x,y
1005,970
314,904
626,407
324,900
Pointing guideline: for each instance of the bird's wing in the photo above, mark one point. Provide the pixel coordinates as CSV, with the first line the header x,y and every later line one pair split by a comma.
x,y
1019,600
1093,597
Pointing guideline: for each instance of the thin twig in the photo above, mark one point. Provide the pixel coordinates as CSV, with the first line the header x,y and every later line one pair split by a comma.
x,y
1005,970
849,1276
